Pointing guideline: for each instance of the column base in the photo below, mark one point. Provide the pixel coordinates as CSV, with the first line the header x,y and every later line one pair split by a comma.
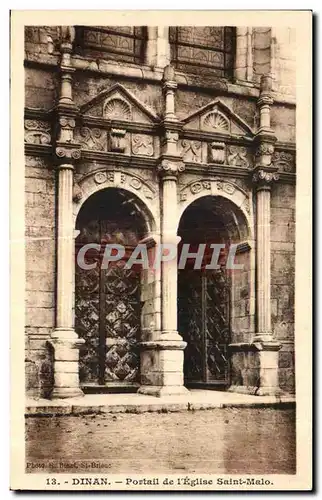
x,y
66,344
66,392
255,367
162,366
159,392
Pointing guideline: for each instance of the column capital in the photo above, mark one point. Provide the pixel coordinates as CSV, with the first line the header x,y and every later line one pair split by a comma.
x,y
263,178
68,152
169,85
170,169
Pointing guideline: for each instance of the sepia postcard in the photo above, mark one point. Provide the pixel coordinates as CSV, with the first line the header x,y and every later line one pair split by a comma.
x,y
161,166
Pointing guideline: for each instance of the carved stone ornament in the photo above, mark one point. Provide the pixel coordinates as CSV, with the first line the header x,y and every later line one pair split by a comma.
x,y
265,149
117,140
142,145
93,139
217,152
103,176
198,186
226,187
66,129
171,136
117,109
77,193
139,185
237,157
217,121
191,151
283,161
37,132
68,153
262,176
170,168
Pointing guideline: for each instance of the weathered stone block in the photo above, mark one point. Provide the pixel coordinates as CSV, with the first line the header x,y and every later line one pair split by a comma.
x,y
40,316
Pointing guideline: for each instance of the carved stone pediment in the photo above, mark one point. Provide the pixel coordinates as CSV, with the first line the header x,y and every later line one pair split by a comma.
x,y
216,117
119,104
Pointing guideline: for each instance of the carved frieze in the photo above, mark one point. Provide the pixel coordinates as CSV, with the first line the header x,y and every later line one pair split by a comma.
x,y
227,187
142,145
284,161
138,184
191,151
103,176
37,132
237,157
93,139
199,186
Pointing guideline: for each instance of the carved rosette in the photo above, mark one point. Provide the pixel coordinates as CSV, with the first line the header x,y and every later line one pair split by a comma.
x,y
170,169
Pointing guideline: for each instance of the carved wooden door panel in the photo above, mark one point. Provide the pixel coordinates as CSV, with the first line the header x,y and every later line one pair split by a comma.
x,y
120,295
203,313
107,317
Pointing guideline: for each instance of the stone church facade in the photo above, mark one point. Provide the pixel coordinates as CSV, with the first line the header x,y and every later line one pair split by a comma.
x,y
158,135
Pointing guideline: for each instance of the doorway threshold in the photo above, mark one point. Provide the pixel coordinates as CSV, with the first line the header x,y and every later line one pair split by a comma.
x,y
138,403
110,388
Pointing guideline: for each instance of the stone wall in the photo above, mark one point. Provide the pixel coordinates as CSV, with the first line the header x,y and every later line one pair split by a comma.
x,y
283,274
40,271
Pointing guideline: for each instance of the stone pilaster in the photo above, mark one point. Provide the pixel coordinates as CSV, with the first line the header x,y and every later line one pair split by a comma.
x,y
263,176
64,339
255,364
244,54
162,359
158,47
169,89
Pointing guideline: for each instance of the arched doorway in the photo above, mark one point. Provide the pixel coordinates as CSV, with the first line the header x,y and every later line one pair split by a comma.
x,y
108,305
206,303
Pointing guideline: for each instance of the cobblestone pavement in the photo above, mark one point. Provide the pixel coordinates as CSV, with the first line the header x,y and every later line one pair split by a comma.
x,y
231,440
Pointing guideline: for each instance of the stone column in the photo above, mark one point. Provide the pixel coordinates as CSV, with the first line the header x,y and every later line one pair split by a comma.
x,y
162,359
263,176
64,339
168,172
